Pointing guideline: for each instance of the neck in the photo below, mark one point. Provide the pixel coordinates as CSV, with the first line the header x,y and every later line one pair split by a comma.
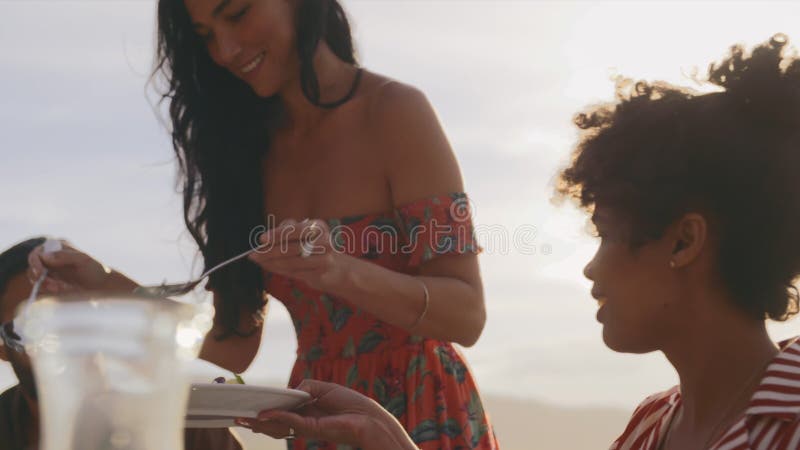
x,y
335,79
720,359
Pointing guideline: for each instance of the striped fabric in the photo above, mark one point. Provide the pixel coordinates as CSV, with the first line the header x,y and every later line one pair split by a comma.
x,y
770,422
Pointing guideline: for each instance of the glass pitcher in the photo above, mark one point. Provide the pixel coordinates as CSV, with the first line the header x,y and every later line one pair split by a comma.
x,y
110,371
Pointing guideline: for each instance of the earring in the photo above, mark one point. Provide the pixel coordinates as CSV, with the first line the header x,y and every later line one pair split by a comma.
x,y
672,264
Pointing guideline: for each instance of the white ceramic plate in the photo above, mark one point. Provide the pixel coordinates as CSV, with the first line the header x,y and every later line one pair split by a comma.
x,y
216,405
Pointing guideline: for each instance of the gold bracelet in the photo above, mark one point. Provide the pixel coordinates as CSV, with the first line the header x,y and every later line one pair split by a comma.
x,y
425,308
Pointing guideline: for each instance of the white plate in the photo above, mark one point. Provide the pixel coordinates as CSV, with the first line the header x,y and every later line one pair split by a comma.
x,y
215,405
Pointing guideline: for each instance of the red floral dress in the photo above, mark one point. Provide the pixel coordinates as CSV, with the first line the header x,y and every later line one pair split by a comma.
x,y
425,383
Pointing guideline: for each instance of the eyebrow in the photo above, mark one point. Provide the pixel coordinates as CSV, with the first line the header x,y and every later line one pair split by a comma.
x,y
215,12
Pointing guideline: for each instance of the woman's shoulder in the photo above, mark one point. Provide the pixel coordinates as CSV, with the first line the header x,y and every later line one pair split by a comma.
x,y
659,400
653,407
646,416
388,109
386,97
406,135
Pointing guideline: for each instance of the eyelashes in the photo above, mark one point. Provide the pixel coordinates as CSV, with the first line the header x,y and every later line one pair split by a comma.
x,y
239,15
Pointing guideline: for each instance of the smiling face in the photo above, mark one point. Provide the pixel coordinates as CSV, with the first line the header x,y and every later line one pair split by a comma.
x,y
252,39
635,288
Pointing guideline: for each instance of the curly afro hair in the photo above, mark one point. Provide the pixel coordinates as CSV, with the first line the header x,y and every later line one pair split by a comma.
x,y
661,151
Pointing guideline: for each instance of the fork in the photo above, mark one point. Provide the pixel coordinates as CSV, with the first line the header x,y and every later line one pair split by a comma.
x,y
168,290
176,289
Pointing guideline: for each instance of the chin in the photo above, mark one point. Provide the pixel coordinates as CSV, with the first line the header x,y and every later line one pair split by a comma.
x,y
264,92
265,88
625,344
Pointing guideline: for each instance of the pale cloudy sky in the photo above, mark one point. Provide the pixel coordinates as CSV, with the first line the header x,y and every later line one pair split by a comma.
x,y
83,156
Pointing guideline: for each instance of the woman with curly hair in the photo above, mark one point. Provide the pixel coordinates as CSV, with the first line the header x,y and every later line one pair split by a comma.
x,y
696,201
273,121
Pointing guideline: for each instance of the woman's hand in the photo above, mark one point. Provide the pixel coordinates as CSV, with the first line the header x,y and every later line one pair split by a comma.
x,y
336,414
303,251
71,270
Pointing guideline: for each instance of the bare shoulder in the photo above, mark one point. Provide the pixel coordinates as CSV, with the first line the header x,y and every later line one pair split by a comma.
x,y
410,140
390,99
388,108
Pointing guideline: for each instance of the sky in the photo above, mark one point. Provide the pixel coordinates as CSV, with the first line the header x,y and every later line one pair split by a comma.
x,y
84,156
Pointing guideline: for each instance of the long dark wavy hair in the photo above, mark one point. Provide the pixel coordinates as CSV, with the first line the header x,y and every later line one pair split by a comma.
x,y
221,131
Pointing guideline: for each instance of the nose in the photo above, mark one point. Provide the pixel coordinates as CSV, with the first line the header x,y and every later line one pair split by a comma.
x,y
227,49
588,270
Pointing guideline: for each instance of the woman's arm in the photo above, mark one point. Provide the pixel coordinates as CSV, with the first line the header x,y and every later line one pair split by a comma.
x,y
420,164
71,270
234,352
455,310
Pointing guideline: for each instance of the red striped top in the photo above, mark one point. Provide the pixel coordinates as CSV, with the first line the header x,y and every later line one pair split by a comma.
x,y
770,422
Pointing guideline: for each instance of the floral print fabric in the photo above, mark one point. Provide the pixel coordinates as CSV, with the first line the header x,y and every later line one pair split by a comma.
x,y
425,383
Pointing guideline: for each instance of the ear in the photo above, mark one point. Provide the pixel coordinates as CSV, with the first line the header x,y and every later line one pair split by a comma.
x,y
689,238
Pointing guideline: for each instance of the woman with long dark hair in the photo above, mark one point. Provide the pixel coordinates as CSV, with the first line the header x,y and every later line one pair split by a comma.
x,y
274,122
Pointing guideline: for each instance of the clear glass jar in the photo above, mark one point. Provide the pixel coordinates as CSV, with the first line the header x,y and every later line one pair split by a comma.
x,y
110,371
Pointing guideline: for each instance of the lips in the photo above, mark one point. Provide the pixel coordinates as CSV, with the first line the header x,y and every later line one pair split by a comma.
x,y
250,66
600,297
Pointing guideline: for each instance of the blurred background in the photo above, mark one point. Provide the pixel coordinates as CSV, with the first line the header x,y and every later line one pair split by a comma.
x,y
84,156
